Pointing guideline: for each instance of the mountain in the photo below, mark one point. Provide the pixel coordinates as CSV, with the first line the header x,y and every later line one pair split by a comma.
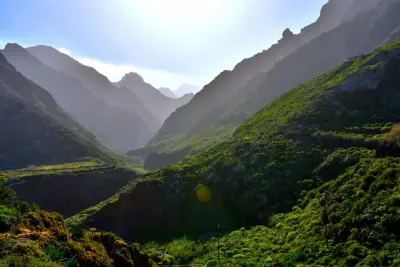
x,y
160,105
97,83
118,127
34,129
186,89
167,92
308,138
216,111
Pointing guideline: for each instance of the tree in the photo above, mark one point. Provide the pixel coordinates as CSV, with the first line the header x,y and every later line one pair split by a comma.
x,y
325,212
6,193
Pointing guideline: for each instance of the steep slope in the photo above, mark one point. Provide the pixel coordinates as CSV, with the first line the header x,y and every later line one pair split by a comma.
x,y
34,237
34,130
195,128
167,92
275,155
186,89
119,128
69,192
97,83
362,214
160,105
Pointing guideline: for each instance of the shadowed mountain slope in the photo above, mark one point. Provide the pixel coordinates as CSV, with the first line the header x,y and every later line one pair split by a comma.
x,y
118,127
34,129
97,83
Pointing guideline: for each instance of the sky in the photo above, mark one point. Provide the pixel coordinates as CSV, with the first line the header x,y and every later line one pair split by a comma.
x,y
168,42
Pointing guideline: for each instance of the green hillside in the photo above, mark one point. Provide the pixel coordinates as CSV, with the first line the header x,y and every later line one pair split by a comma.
x,y
290,146
190,130
361,211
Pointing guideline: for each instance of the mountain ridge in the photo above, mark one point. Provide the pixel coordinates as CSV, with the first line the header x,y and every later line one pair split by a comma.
x,y
96,82
217,122
167,92
117,127
54,137
159,105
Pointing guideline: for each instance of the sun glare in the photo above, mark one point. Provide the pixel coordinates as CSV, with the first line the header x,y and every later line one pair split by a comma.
x,y
183,16
182,12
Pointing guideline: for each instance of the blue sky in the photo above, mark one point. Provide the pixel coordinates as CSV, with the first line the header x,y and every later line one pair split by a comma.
x,y
168,42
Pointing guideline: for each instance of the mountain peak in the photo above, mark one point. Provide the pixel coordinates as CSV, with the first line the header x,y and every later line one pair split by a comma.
x,y
167,92
186,89
133,76
10,47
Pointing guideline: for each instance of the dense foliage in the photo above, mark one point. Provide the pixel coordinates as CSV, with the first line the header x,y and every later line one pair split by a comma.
x,y
33,237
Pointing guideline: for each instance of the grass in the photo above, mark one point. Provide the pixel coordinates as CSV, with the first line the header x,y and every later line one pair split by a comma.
x,y
84,214
71,167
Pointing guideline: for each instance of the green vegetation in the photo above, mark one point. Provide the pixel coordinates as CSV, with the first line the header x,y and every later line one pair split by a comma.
x,y
362,226
317,168
33,237
72,167
84,214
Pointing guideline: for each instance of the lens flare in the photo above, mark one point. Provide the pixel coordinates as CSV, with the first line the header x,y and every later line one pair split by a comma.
x,y
203,193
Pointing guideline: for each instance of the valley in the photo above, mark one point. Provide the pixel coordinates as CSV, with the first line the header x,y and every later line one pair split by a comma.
x,y
292,158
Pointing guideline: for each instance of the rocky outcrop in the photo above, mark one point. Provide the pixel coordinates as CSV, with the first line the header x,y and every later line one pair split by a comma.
x,y
287,34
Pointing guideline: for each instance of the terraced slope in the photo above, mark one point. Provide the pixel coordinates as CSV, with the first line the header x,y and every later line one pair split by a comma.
x,y
69,188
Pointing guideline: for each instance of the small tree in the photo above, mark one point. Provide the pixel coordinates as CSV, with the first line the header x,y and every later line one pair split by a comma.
x,y
325,212
6,193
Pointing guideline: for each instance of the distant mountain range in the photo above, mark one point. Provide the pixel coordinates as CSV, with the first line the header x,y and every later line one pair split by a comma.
x,y
123,115
117,126
157,103
186,89
167,92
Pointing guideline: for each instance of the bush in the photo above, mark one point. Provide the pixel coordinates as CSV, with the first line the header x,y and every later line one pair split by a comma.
x,y
19,261
8,219
77,231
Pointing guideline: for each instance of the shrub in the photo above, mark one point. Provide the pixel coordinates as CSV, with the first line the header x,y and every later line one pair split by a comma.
x,y
8,219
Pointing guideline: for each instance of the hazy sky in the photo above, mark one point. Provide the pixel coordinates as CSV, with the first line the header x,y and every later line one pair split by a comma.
x,y
168,42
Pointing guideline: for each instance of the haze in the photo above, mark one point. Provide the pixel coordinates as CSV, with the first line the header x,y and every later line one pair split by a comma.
x,y
168,42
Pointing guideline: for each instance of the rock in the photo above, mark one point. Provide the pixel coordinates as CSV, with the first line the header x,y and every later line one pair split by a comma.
x,y
287,33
